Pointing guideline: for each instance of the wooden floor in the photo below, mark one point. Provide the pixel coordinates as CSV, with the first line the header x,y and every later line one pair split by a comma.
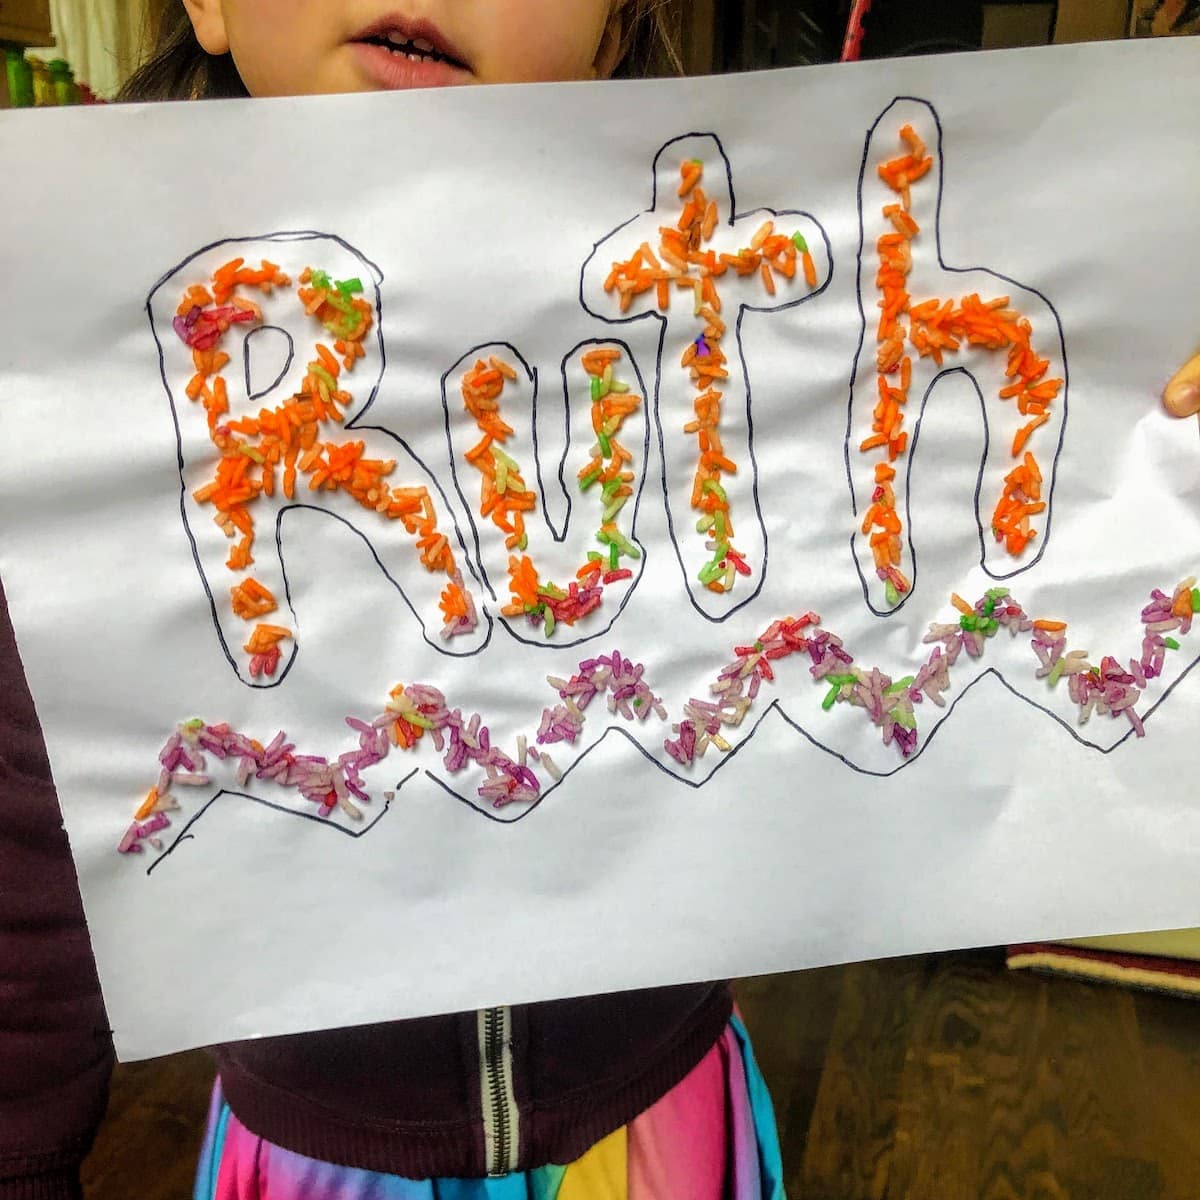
x,y
942,1076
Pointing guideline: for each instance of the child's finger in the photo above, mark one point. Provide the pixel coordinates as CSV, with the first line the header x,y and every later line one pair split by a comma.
x,y
1182,395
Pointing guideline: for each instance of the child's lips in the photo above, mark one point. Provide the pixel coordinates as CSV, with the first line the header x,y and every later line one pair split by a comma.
x,y
401,52
395,70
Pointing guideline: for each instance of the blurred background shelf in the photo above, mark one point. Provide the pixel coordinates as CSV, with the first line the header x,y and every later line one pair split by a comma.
x,y
732,35
25,22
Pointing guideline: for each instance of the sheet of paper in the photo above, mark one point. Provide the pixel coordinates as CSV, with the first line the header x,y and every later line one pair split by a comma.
x,y
1041,242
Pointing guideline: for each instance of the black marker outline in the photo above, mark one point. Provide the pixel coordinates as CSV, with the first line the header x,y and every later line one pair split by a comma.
x,y
942,715
688,575
251,394
354,423
455,373
185,834
1043,538
777,705
673,770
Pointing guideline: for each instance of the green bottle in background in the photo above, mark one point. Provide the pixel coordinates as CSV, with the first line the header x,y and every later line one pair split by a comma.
x,y
43,85
20,79
63,80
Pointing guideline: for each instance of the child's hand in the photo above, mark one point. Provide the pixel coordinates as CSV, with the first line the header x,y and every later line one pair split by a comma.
x,y
1182,395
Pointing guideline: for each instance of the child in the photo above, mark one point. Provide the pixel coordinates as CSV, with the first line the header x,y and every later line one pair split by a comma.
x,y
651,1095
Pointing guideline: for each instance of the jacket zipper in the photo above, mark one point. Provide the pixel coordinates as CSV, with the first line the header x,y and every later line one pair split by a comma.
x,y
501,1120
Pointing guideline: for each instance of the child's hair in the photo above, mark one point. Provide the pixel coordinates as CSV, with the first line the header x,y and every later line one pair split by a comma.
x,y
653,36
179,69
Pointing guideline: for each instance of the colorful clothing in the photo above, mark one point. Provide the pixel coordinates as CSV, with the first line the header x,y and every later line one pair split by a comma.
x,y
711,1137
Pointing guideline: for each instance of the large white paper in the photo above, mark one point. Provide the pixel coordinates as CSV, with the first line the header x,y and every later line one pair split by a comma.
x,y
1065,179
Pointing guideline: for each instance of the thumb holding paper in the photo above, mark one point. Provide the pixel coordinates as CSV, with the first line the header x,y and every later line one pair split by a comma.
x,y
1182,394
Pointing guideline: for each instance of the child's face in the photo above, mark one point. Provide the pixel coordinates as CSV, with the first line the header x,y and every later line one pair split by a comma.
x,y
296,47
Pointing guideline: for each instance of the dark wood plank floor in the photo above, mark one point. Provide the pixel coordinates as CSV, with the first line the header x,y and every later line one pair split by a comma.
x,y
948,1076
941,1076
150,1140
